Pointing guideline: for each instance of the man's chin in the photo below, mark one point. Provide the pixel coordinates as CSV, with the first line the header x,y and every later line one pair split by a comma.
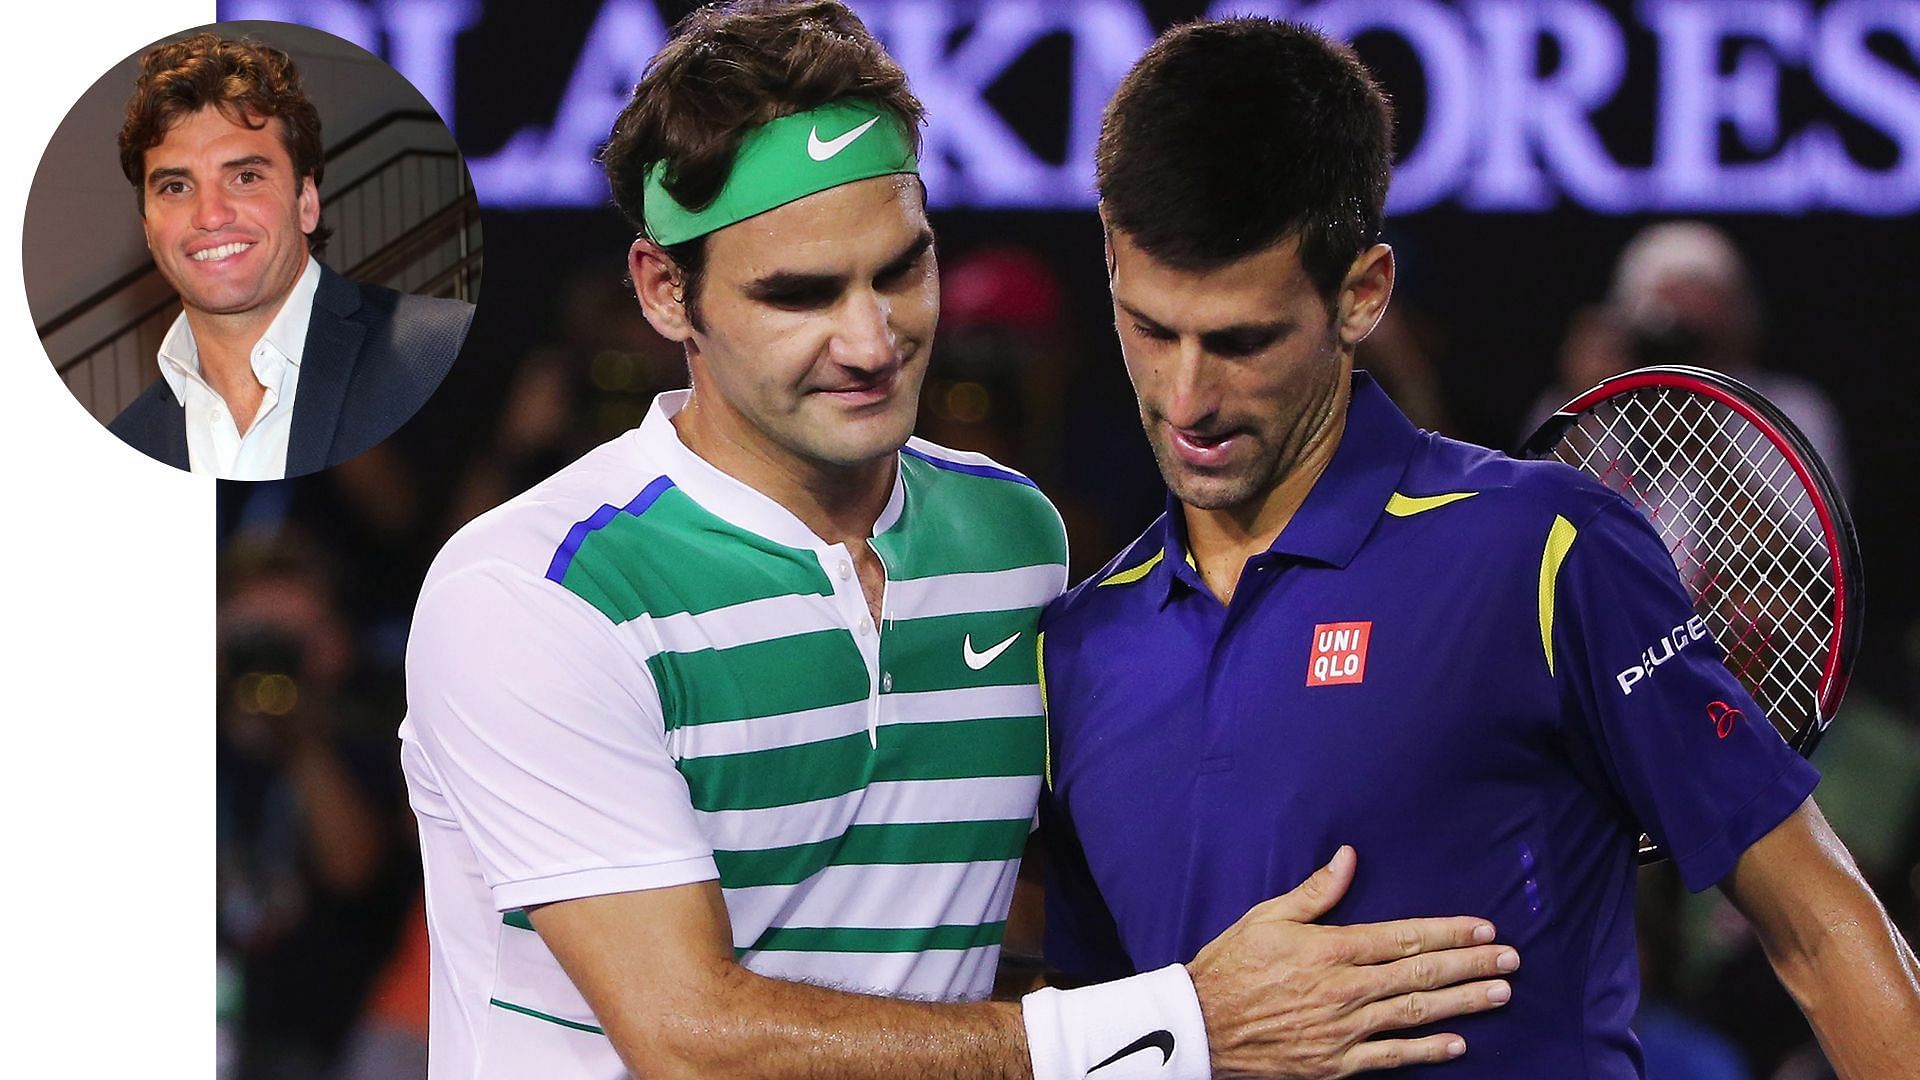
x,y
858,445
1200,490
1211,495
234,303
1208,491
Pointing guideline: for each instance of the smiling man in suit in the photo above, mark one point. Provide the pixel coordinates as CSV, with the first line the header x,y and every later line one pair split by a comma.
x,y
277,365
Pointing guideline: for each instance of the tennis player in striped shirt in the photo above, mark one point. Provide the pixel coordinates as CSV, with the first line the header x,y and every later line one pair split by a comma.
x,y
725,740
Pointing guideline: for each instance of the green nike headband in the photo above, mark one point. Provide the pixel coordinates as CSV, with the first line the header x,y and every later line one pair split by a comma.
x,y
785,159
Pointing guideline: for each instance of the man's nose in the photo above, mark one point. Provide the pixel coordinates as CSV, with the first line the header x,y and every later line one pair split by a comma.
x,y
212,209
863,336
1190,395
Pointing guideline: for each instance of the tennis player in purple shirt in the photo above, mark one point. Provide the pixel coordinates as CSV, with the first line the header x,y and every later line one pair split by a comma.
x,y
1482,673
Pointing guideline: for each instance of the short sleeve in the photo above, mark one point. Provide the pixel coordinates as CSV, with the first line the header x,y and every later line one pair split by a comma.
x,y
542,732
1649,699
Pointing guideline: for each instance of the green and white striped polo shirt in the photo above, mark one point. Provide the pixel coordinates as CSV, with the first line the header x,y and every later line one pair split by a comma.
x,y
644,673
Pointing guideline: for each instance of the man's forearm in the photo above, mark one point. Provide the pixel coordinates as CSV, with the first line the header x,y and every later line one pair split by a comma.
x,y
751,1026
1273,995
690,1010
1859,985
1833,946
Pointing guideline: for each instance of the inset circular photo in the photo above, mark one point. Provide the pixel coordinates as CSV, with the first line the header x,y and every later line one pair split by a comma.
x,y
252,250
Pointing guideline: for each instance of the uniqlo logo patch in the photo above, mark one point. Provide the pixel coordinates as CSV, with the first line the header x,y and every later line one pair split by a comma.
x,y
1339,653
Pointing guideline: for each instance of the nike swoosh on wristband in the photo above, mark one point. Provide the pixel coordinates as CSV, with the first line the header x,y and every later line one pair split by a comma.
x,y
1161,1040
978,660
823,151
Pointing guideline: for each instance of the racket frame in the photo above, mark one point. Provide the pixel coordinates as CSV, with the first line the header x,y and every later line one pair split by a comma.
x,y
1836,522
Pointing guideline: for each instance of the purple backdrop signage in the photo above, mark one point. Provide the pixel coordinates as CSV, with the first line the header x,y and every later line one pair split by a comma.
x,y
1773,106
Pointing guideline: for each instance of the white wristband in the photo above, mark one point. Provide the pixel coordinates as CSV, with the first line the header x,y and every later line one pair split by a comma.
x,y
1147,1027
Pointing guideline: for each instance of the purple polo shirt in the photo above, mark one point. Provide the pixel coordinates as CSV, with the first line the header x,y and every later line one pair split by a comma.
x,y
1482,673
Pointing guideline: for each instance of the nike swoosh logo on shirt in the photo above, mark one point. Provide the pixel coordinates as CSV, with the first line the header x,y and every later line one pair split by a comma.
x,y
1161,1040
823,151
978,660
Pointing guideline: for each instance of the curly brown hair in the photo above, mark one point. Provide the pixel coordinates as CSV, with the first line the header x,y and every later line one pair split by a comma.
x,y
730,68
248,81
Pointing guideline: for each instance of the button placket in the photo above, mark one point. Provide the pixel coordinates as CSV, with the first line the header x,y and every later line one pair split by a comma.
x,y
850,601
886,678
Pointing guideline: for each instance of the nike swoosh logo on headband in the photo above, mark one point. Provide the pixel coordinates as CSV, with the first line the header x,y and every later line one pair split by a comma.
x,y
824,151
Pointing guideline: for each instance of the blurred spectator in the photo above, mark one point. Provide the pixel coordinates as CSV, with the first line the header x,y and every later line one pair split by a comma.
x,y
1682,295
1685,296
1596,346
390,1042
592,378
1678,1045
997,375
1008,379
1400,353
315,864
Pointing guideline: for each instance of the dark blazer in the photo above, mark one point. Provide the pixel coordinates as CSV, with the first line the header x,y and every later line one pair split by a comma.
x,y
373,357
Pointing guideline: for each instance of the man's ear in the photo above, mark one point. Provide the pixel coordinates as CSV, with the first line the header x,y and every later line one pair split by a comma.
x,y
660,286
309,204
1364,294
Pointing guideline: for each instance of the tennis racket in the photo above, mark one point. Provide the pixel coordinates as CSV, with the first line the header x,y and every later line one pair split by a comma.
x,y
1752,518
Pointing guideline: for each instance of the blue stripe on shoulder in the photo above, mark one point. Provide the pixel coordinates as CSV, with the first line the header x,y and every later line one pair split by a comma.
x,y
969,469
563,558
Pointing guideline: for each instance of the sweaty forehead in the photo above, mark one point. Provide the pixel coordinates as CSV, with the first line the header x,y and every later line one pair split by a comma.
x,y
1260,287
842,230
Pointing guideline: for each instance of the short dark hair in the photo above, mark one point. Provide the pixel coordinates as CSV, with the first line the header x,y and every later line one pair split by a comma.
x,y
249,82
730,68
1229,137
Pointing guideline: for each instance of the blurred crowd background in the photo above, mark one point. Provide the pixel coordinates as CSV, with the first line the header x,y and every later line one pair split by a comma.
x,y
1499,317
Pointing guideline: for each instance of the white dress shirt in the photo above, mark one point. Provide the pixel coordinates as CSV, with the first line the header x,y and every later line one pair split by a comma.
x,y
214,442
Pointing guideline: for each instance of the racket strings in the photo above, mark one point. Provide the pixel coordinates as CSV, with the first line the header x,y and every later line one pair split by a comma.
x,y
1743,533
1771,501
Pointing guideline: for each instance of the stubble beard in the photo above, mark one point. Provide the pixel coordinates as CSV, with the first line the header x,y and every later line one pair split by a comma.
x,y
1275,456
1214,490
842,443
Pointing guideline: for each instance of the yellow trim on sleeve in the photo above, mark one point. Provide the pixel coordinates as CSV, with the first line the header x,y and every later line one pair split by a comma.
x,y
1559,542
1128,577
1408,505
1046,719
